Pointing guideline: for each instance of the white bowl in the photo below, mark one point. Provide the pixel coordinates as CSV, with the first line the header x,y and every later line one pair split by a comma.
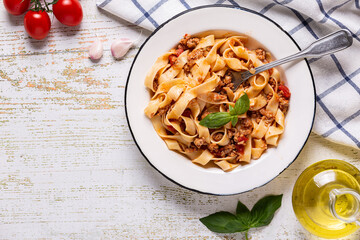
x,y
178,168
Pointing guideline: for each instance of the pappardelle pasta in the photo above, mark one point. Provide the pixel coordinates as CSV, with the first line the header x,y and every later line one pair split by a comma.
x,y
193,80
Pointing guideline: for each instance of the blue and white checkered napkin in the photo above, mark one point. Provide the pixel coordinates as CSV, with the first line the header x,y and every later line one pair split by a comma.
x,y
337,76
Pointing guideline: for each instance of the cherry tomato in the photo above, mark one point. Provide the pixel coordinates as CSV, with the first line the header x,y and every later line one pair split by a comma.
x,y
172,59
285,90
242,139
37,24
16,7
179,51
68,12
240,148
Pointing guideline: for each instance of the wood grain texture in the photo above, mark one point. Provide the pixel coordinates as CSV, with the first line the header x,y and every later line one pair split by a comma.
x,y
69,168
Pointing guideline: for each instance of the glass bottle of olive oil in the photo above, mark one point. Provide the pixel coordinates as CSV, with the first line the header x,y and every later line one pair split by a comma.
x,y
326,199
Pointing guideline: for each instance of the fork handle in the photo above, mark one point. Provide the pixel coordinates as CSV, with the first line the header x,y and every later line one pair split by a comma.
x,y
331,43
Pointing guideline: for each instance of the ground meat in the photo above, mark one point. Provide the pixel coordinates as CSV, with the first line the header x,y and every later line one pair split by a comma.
x,y
231,132
240,155
224,151
207,50
192,42
283,104
195,55
190,149
231,54
230,85
269,116
240,138
260,53
245,85
199,142
213,147
220,86
172,59
246,126
227,79
184,40
272,83
225,82
204,114
163,110
269,96
180,46
218,136
216,97
155,84
233,154
186,68
188,42
255,115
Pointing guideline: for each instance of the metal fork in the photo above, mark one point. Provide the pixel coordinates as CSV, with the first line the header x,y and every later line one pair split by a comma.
x,y
331,43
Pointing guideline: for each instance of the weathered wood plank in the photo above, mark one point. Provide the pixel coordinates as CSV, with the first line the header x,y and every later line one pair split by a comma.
x,y
68,166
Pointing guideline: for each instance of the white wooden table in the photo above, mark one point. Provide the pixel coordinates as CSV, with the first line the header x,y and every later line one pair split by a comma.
x,y
69,168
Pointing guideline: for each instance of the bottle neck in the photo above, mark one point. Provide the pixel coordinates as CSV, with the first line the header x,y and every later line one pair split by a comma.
x,y
345,205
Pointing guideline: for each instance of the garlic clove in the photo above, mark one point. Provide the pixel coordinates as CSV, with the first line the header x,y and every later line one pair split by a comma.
x,y
96,50
120,47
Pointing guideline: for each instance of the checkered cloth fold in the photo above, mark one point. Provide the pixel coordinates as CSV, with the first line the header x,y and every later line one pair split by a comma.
x,y
337,76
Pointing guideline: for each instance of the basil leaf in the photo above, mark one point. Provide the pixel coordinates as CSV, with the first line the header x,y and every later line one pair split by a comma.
x,y
216,120
232,110
243,215
242,104
238,226
234,120
241,208
263,211
223,222
261,215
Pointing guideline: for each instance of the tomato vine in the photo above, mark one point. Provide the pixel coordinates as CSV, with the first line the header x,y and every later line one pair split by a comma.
x,y
41,5
37,22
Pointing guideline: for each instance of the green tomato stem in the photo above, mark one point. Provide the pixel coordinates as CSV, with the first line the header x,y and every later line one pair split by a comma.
x,y
47,7
38,6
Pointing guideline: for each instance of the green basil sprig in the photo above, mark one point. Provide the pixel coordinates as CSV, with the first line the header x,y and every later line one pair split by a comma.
x,y
219,119
260,215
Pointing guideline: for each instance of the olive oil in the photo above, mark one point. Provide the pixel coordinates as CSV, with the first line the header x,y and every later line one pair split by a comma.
x,y
312,202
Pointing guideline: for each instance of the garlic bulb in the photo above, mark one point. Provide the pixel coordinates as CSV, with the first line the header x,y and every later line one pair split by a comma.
x,y
120,47
96,50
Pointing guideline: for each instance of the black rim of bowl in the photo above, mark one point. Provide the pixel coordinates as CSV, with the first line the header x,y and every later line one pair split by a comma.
x,y
194,9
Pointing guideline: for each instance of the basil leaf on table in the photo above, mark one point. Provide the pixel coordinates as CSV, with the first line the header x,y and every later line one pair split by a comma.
x,y
219,119
263,211
260,215
223,222
241,209
243,215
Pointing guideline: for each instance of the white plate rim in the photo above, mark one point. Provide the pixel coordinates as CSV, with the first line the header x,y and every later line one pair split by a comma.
x,y
217,6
